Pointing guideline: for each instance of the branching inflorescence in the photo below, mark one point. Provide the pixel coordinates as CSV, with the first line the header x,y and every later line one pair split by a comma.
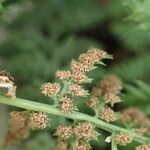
x,y
101,99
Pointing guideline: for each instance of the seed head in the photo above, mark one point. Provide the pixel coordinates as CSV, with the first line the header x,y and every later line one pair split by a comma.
x,y
143,147
64,132
111,99
81,145
123,139
92,102
107,114
84,130
66,104
38,120
50,89
62,74
77,90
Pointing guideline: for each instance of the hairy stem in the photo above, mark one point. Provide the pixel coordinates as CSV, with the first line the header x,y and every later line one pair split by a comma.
x,y
35,106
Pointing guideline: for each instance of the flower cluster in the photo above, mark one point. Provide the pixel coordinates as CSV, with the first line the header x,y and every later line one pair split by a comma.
x,y
92,102
21,122
69,87
107,114
64,132
123,139
66,104
107,90
50,89
62,74
85,63
7,87
77,90
84,130
82,133
37,120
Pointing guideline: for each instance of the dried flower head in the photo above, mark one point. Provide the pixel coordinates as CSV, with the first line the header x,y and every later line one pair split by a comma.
x,y
77,90
133,114
81,145
62,145
143,147
123,139
50,89
107,114
84,130
66,104
85,63
62,74
92,102
111,99
92,56
79,77
79,67
64,132
38,120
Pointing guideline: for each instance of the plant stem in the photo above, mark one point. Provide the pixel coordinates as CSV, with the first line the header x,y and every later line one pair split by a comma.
x,y
35,106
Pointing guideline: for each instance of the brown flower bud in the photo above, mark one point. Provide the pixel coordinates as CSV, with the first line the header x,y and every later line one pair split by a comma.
x,y
50,89
38,120
123,139
107,114
66,104
64,132
84,130
92,102
62,74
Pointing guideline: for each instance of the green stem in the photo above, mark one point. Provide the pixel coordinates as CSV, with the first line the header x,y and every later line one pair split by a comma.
x,y
35,106
113,143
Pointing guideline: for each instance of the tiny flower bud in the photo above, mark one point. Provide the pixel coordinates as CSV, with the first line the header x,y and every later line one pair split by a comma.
x,y
37,120
92,102
84,130
77,90
79,77
111,99
66,104
62,74
64,132
107,114
50,89
123,139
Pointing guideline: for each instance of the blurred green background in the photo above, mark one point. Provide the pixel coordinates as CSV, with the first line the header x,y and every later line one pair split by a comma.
x,y
38,37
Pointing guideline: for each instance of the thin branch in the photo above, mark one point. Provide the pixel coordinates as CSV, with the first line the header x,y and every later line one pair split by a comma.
x,y
35,106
